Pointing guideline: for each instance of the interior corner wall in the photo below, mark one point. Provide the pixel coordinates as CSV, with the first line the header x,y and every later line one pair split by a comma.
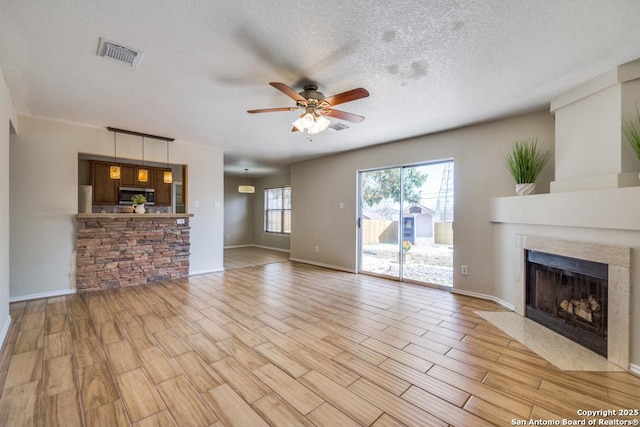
x,y
7,116
319,186
43,194
238,213
260,238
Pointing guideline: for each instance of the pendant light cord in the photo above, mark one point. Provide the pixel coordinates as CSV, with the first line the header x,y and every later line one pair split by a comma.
x,y
115,153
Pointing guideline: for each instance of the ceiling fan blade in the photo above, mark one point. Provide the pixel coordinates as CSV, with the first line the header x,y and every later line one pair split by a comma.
x,y
272,110
342,115
350,95
288,91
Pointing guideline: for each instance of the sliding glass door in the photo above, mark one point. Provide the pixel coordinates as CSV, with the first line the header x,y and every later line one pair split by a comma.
x,y
406,222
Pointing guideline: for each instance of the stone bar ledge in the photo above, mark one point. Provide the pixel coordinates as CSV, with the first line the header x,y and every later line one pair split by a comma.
x,y
133,215
116,250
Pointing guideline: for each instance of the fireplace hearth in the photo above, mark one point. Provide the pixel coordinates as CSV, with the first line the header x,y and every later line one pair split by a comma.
x,y
569,296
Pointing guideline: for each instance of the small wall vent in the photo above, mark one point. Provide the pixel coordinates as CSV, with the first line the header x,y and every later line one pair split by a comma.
x,y
338,126
119,53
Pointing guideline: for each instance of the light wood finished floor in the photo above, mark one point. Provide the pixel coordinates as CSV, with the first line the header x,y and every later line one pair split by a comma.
x,y
283,344
251,255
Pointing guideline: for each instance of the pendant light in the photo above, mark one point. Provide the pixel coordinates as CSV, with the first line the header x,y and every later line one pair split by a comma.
x,y
143,173
114,170
168,175
246,188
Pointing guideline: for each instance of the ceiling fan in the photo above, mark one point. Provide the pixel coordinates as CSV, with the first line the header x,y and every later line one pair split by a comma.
x,y
316,106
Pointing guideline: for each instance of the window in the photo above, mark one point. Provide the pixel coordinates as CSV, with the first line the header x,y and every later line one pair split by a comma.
x,y
277,210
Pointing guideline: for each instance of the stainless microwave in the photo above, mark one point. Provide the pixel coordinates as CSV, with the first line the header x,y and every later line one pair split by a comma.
x,y
125,194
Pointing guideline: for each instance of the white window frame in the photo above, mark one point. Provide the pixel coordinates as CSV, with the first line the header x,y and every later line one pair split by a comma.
x,y
284,212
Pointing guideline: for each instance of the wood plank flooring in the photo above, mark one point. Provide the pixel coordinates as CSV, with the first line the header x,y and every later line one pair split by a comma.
x,y
281,344
249,256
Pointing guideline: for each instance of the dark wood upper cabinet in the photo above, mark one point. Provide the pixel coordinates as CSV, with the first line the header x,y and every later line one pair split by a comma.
x,y
128,176
105,189
163,190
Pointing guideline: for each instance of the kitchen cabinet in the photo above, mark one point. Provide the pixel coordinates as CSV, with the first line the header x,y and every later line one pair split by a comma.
x,y
129,176
163,190
105,189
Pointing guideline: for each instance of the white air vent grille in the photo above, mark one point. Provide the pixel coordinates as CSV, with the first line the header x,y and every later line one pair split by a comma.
x,y
119,53
338,126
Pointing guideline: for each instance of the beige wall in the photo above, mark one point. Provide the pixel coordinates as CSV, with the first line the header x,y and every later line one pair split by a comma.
x,y
260,238
320,185
244,213
44,202
7,116
238,212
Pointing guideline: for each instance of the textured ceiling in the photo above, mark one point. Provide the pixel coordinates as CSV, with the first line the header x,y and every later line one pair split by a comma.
x,y
429,65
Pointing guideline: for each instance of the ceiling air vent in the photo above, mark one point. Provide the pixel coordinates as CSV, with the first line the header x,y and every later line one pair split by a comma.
x,y
119,53
338,126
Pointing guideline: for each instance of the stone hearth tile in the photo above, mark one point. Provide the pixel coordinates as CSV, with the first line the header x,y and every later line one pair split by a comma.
x,y
556,349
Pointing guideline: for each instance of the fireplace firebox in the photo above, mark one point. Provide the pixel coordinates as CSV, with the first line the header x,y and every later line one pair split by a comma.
x,y
569,296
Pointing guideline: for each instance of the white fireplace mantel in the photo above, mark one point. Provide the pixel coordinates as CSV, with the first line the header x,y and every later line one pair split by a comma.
x,y
613,209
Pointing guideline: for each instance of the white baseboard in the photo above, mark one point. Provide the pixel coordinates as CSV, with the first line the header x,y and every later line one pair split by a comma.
x,y
257,246
634,369
320,264
196,273
42,295
5,331
497,300
272,248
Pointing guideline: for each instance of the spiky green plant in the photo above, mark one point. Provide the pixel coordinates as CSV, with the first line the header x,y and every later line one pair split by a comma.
x,y
525,161
631,129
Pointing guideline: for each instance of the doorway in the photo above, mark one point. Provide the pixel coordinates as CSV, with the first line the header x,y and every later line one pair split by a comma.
x,y
406,223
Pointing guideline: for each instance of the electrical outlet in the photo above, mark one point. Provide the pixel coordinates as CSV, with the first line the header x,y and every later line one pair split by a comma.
x,y
317,248
464,270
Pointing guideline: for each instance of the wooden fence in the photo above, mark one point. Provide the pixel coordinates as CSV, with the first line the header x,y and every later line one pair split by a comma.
x,y
379,231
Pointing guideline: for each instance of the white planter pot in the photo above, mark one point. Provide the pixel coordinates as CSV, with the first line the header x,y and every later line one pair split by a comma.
x,y
139,209
524,189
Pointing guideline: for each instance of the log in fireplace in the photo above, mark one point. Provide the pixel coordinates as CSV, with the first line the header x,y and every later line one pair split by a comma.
x,y
569,296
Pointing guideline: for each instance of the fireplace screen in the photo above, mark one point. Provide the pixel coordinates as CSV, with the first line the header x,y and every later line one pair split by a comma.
x,y
569,296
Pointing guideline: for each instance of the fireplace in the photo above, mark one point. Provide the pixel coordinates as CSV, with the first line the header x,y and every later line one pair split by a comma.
x,y
569,296
618,291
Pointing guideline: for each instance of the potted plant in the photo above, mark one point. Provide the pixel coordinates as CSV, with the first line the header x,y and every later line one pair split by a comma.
x,y
138,202
525,161
631,129
406,247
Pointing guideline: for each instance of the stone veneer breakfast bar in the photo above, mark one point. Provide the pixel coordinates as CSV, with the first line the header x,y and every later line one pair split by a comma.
x,y
119,250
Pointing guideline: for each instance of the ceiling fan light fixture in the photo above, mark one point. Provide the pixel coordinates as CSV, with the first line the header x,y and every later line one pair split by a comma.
x,y
308,120
316,105
321,124
298,124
